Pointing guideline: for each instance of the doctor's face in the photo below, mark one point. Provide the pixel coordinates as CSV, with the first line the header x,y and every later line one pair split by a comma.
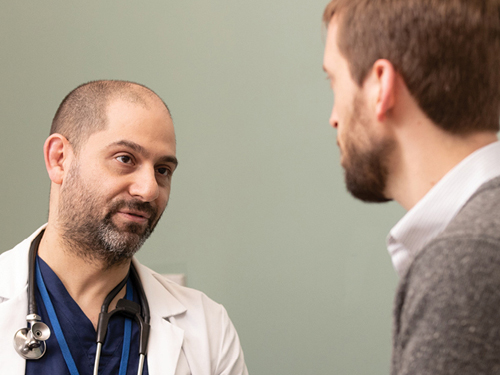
x,y
118,183
364,154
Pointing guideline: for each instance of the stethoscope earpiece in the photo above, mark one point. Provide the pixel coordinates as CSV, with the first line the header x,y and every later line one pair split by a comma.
x,y
30,342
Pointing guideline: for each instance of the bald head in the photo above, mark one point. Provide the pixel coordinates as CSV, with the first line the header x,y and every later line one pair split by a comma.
x,y
84,110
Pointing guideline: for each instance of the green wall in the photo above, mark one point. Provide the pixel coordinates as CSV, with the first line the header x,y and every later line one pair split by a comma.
x,y
259,218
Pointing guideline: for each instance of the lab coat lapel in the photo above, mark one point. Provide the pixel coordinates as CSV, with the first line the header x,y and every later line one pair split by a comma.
x,y
165,344
165,341
13,304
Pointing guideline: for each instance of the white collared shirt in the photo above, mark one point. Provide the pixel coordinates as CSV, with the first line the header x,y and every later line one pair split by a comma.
x,y
432,214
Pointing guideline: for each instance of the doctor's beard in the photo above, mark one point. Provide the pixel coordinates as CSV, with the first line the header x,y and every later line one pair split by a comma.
x,y
96,238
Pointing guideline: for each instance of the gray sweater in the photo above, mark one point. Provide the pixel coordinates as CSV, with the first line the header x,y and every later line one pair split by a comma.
x,y
447,308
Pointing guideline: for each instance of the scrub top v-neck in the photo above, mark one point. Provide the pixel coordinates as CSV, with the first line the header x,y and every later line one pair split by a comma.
x,y
80,335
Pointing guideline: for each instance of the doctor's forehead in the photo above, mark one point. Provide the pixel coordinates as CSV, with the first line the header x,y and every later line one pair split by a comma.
x,y
84,110
145,117
145,129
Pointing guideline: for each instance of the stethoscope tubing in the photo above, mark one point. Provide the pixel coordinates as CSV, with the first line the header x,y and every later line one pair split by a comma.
x,y
32,307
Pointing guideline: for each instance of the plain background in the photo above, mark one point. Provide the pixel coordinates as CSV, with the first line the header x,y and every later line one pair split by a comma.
x,y
259,218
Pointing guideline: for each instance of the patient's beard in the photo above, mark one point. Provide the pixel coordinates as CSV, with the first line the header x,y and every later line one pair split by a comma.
x,y
366,171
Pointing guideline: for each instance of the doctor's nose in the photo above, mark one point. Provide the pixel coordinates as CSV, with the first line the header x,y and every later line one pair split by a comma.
x,y
145,186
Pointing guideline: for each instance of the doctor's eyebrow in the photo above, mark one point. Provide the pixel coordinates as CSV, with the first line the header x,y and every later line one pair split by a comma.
x,y
141,150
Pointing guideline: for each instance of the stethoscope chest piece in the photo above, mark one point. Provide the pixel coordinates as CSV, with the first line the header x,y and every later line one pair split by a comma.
x,y
30,342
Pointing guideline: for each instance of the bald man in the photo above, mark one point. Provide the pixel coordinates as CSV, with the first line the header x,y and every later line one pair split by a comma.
x,y
110,157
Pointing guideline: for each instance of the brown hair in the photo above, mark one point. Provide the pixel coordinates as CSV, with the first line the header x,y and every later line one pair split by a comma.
x,y
447,51
84,110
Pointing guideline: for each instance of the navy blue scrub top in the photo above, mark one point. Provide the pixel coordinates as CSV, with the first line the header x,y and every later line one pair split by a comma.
x,y
81,335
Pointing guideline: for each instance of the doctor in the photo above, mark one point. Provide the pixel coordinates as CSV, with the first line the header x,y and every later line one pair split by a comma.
x,y
110,158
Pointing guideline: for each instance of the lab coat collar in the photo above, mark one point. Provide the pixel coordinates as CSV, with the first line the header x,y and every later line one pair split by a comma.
x,y
160,300
14,277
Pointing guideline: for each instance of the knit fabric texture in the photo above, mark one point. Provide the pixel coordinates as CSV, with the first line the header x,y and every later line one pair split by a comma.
x,y
447,307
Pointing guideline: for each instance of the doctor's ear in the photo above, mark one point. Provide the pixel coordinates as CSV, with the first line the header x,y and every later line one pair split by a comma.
x,y
57,151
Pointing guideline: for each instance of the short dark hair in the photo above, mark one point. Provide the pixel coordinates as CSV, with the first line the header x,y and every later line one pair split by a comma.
x,y
447,51
84,110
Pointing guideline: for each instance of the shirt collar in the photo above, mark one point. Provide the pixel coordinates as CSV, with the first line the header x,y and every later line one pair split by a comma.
x,y
438,207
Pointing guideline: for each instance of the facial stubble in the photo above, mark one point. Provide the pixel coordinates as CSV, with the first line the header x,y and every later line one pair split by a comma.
x,y
89,233
366,171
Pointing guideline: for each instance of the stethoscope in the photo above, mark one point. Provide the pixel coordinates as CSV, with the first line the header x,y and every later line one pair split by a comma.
x,y
30,342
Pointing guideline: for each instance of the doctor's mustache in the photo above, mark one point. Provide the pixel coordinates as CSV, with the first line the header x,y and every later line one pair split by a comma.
x,y
145,209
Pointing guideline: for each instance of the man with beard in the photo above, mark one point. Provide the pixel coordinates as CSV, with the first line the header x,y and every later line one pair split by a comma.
x,y
417,108
110,158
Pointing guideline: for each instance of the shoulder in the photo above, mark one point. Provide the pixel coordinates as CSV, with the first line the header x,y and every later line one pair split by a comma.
x,y
18,255
14,269
206,326
480,216
469,247
185,307
468,250
446,311
465,257
189,297
202,313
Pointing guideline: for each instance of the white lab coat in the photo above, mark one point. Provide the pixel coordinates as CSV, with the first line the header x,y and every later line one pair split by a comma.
x,y
190,333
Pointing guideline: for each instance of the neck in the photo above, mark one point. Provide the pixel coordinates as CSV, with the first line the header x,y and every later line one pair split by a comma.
x,y
424,156
87,281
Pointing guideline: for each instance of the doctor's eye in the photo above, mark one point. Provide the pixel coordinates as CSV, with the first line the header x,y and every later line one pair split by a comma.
x,y
125,159
164,171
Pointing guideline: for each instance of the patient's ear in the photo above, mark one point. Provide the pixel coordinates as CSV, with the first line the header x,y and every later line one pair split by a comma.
x,y
57,152
384,78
